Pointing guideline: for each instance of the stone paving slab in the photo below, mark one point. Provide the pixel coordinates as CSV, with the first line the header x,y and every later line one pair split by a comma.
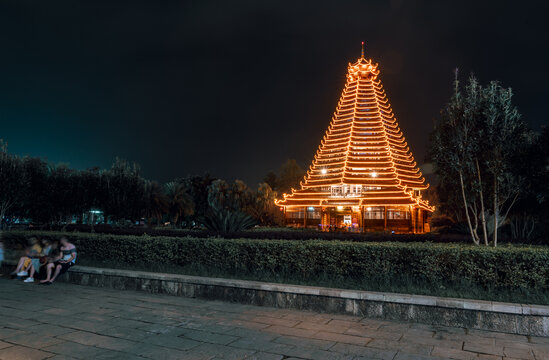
x,y
66,321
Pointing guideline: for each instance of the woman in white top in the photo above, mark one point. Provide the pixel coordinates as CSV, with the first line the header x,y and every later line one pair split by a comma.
x,y
65,260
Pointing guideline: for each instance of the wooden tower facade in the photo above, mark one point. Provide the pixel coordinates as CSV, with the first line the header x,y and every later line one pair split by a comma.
x,y
363,176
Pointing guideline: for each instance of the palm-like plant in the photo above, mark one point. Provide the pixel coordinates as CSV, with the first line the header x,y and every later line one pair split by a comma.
x,y
156,202
227,221
180,202
225,213
262,207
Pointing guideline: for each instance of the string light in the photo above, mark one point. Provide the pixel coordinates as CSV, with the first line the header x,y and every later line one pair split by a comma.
x,y
363,145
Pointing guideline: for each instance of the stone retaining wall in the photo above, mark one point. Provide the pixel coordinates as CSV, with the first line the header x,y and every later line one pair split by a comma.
x,y
475,314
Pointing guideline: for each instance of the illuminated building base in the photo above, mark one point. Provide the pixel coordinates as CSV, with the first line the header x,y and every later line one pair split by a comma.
x,y
360,219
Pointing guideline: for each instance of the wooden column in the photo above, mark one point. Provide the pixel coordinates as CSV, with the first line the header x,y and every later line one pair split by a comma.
x,y
417,221
385,218
362,226
305,217
321,219
413,219
420,213
411,225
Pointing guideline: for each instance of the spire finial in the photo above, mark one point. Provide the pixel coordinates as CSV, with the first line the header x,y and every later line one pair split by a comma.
x,y
362,54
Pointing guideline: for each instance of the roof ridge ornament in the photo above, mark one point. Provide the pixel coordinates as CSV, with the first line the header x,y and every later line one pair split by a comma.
x,y
362,53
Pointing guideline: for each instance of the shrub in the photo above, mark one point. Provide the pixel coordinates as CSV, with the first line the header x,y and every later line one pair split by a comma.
x,y
265,233
225,221
506,266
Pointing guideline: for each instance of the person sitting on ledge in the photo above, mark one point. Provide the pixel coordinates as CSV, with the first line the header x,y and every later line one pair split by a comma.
x,y
32,251
39,260
62,263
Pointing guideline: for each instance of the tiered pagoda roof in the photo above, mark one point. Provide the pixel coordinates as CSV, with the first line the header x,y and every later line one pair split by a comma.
x,y
364,149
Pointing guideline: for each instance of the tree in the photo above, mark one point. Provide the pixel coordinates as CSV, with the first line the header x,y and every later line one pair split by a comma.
x,y
242,195
505,133
537,168
475,139
197,188
530,215
93,189
125,191
181,204
12,181
62,193
36,203
220,197
271,180
289,176
453,146
262,207
156,202
225,213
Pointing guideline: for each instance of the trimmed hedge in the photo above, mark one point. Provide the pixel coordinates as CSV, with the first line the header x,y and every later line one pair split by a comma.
x,y
507,266
266,234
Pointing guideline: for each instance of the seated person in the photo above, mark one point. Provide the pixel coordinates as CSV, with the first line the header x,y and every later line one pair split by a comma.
x,y
33,250
39,260
62,262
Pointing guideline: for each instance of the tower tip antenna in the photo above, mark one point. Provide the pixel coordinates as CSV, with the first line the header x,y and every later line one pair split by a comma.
x,y
362,53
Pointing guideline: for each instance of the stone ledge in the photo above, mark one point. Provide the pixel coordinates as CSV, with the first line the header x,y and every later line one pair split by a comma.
x,y
454,303
475,314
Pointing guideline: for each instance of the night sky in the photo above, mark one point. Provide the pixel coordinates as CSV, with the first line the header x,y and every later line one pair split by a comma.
x,y
235,88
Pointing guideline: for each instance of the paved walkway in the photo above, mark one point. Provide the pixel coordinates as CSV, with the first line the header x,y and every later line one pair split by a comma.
x,y
67,321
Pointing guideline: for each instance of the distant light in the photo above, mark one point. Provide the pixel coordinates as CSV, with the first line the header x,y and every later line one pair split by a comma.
x,y
311,208
374,174
340,207
369,209
324,171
